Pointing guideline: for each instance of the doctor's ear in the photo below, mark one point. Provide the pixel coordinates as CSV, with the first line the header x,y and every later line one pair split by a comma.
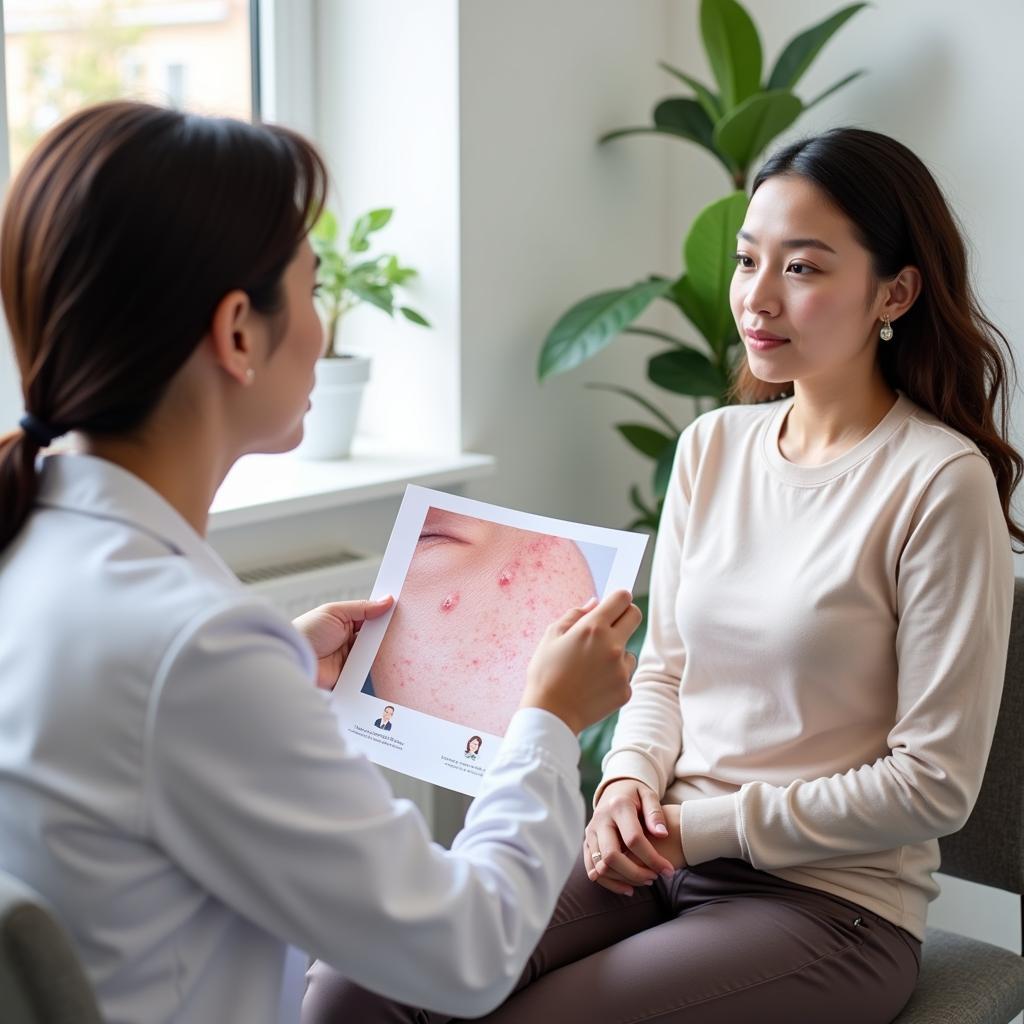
x,y
232,336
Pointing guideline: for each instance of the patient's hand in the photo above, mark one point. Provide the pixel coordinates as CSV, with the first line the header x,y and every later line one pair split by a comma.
x,y
671,846
620,848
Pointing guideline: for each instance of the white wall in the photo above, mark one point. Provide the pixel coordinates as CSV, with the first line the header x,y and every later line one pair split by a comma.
x,y
548,218
387,87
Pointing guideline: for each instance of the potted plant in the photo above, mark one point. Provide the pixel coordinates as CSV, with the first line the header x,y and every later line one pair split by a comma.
x,y
734,121
346,278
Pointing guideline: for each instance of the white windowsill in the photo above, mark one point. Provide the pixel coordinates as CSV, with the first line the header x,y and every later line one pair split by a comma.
x,y
265,487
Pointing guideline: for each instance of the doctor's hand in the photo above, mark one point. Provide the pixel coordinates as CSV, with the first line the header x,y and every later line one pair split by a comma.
x,y
631,838
581,668
331,630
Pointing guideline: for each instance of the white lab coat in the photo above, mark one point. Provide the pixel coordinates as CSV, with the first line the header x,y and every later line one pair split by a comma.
x,y
174,784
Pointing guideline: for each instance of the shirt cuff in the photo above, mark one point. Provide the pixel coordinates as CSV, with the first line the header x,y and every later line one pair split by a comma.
x,y
710,828
537,729
628,764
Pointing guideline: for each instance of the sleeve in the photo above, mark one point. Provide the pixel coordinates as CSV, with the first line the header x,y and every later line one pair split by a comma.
x,y
954,598
250,789
648,736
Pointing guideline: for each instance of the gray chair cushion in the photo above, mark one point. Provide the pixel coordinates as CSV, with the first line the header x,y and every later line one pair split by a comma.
x,y
989,849
41,981
964,981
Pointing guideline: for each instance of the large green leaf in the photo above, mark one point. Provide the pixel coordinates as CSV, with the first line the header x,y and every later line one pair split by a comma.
x,y
644,439
733,48
636,641
675,133
742,134
618,389
663,472
707,253
800,51
687,372
834,88
591,324
687,117
692,307
705,97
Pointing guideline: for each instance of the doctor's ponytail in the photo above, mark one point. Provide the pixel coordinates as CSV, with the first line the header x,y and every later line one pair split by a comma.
x,y
122,232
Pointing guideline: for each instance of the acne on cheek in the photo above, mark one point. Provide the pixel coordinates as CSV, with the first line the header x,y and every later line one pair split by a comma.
x,y
470,668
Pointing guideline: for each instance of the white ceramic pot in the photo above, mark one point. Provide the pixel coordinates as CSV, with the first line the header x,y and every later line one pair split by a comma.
x,y
330,423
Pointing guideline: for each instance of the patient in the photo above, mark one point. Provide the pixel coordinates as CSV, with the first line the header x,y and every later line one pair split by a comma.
x,y
475,603
829,612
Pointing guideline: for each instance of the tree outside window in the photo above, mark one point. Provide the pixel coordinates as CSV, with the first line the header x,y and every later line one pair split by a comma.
x,y
62,55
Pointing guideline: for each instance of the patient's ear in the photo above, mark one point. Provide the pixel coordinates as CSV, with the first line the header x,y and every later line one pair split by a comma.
x,y
901,292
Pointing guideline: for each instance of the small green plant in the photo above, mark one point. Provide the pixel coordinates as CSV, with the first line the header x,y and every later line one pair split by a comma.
x,y
346,277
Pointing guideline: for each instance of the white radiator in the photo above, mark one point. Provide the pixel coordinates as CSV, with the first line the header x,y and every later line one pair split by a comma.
x,y
298,585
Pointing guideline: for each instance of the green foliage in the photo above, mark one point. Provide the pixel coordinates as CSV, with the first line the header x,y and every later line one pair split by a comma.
x,y
734,125
344,281
591,324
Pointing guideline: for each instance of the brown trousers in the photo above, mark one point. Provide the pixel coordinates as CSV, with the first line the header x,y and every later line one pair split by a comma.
x,y
722,943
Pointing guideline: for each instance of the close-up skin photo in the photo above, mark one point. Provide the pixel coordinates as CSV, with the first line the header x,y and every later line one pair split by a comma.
x,y
511,512
476,601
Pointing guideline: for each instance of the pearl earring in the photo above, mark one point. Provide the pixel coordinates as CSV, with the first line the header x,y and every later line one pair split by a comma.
x,y
250,374
886,332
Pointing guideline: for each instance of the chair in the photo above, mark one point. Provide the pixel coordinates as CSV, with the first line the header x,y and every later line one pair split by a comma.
x,y
964,981
41,981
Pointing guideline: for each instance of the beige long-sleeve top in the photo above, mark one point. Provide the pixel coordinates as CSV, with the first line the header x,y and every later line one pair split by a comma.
x,y
825,653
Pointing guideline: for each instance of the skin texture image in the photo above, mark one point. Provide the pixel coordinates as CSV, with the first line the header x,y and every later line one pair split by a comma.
x,y
475,603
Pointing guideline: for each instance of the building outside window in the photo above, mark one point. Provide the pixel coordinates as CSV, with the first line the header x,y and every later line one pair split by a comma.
x,y
62,55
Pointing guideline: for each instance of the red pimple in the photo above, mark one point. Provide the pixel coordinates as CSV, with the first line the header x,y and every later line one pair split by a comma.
x,y
506,576
450,603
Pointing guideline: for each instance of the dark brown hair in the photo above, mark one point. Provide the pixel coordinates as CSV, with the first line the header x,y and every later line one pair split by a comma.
x,y
122,232
947,356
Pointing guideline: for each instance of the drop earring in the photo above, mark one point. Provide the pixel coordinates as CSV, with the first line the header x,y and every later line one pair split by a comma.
x,y
886,332
250,374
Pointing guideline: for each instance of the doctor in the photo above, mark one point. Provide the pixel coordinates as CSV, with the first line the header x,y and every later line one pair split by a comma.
x,y
170,778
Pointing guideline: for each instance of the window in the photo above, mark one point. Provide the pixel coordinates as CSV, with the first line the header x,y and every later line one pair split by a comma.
x,y
241,58
64,54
